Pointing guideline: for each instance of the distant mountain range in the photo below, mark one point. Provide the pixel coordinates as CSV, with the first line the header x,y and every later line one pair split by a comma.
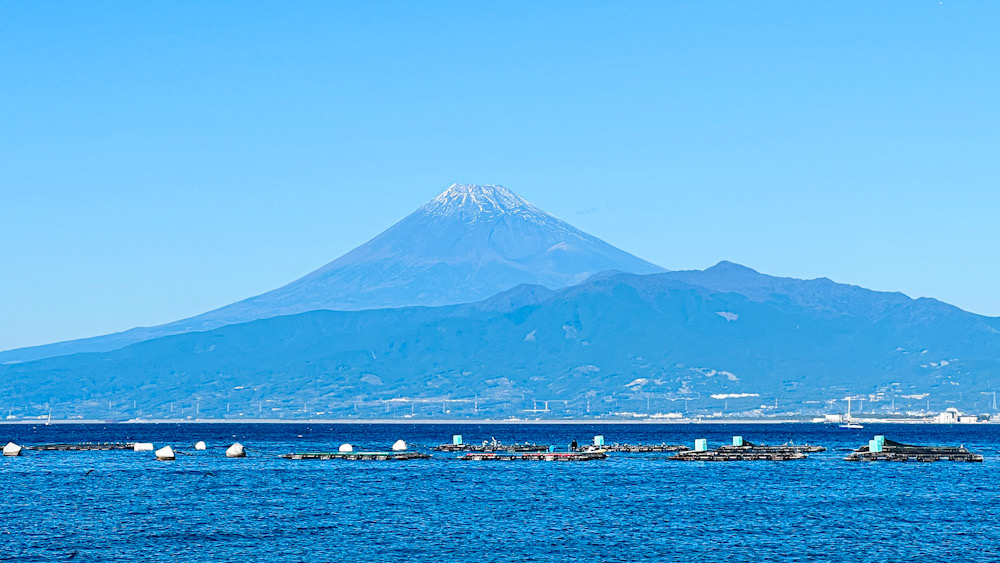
x,y
467,244
726,339
615,343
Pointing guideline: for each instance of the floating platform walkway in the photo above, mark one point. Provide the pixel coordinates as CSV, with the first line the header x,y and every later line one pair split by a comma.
x,y
357,456
87,447
534,456
346,452
881,449
645,448
741,450
717,455
635,448
457,445
746,446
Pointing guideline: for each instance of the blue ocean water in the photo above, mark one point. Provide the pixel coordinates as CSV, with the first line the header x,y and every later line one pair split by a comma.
x,y
125,506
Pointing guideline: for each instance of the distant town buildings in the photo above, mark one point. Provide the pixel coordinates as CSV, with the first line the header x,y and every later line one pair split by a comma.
x,y
953,416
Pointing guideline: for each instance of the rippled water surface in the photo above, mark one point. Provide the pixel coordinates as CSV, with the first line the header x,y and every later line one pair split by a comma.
x,y
125,506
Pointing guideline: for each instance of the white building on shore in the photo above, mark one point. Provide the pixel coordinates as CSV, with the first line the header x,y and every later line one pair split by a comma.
x,y
953,416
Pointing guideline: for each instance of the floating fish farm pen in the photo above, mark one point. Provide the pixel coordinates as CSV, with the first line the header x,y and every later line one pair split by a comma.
x,y
534,456
741,445
358,456
739,451
457,445
88,447
635,448
716,455
880,449
645,448
346,452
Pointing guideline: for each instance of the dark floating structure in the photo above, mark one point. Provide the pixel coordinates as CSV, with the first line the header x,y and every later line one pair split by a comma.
x,y
87,447
358,456
741,450
881,449
346,452
645,448
457,445
788,447
535,456
636,448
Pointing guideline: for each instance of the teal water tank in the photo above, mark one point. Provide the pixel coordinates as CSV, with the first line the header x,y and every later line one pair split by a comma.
x,y
737,440
701,445
456,439
874,446
598,440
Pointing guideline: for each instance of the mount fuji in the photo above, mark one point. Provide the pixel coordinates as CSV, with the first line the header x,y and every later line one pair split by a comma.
x,y
467,244
480,300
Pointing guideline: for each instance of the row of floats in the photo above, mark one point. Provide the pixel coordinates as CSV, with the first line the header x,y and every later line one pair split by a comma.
x,y
166,453
877,449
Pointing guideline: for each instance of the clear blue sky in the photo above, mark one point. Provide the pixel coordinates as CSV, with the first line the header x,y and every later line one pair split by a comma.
x,y
161,159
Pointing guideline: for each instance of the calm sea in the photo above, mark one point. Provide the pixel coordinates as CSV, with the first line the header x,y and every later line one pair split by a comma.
x,y
124,506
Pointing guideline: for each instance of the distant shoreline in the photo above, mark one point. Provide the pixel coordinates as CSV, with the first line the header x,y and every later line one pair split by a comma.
x,y
396,421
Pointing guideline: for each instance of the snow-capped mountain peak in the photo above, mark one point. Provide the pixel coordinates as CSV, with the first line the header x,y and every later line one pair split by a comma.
x,y
473,202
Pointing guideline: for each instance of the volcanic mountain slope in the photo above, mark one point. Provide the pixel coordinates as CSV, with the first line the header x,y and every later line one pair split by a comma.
x,y
726,336
467,244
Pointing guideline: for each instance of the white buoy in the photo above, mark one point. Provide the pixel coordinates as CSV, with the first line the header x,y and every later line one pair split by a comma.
x,y
142,447
346,448
199,445
399,446
166,453
236,450
11,449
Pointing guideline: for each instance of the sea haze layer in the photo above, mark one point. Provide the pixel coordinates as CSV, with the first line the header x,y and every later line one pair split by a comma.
x,y
630,507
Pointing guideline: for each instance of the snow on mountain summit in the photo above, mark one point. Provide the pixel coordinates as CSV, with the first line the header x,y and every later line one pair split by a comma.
x,y
472,202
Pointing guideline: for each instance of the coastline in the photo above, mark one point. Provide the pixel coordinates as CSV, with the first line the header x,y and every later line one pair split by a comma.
x,y
396,421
